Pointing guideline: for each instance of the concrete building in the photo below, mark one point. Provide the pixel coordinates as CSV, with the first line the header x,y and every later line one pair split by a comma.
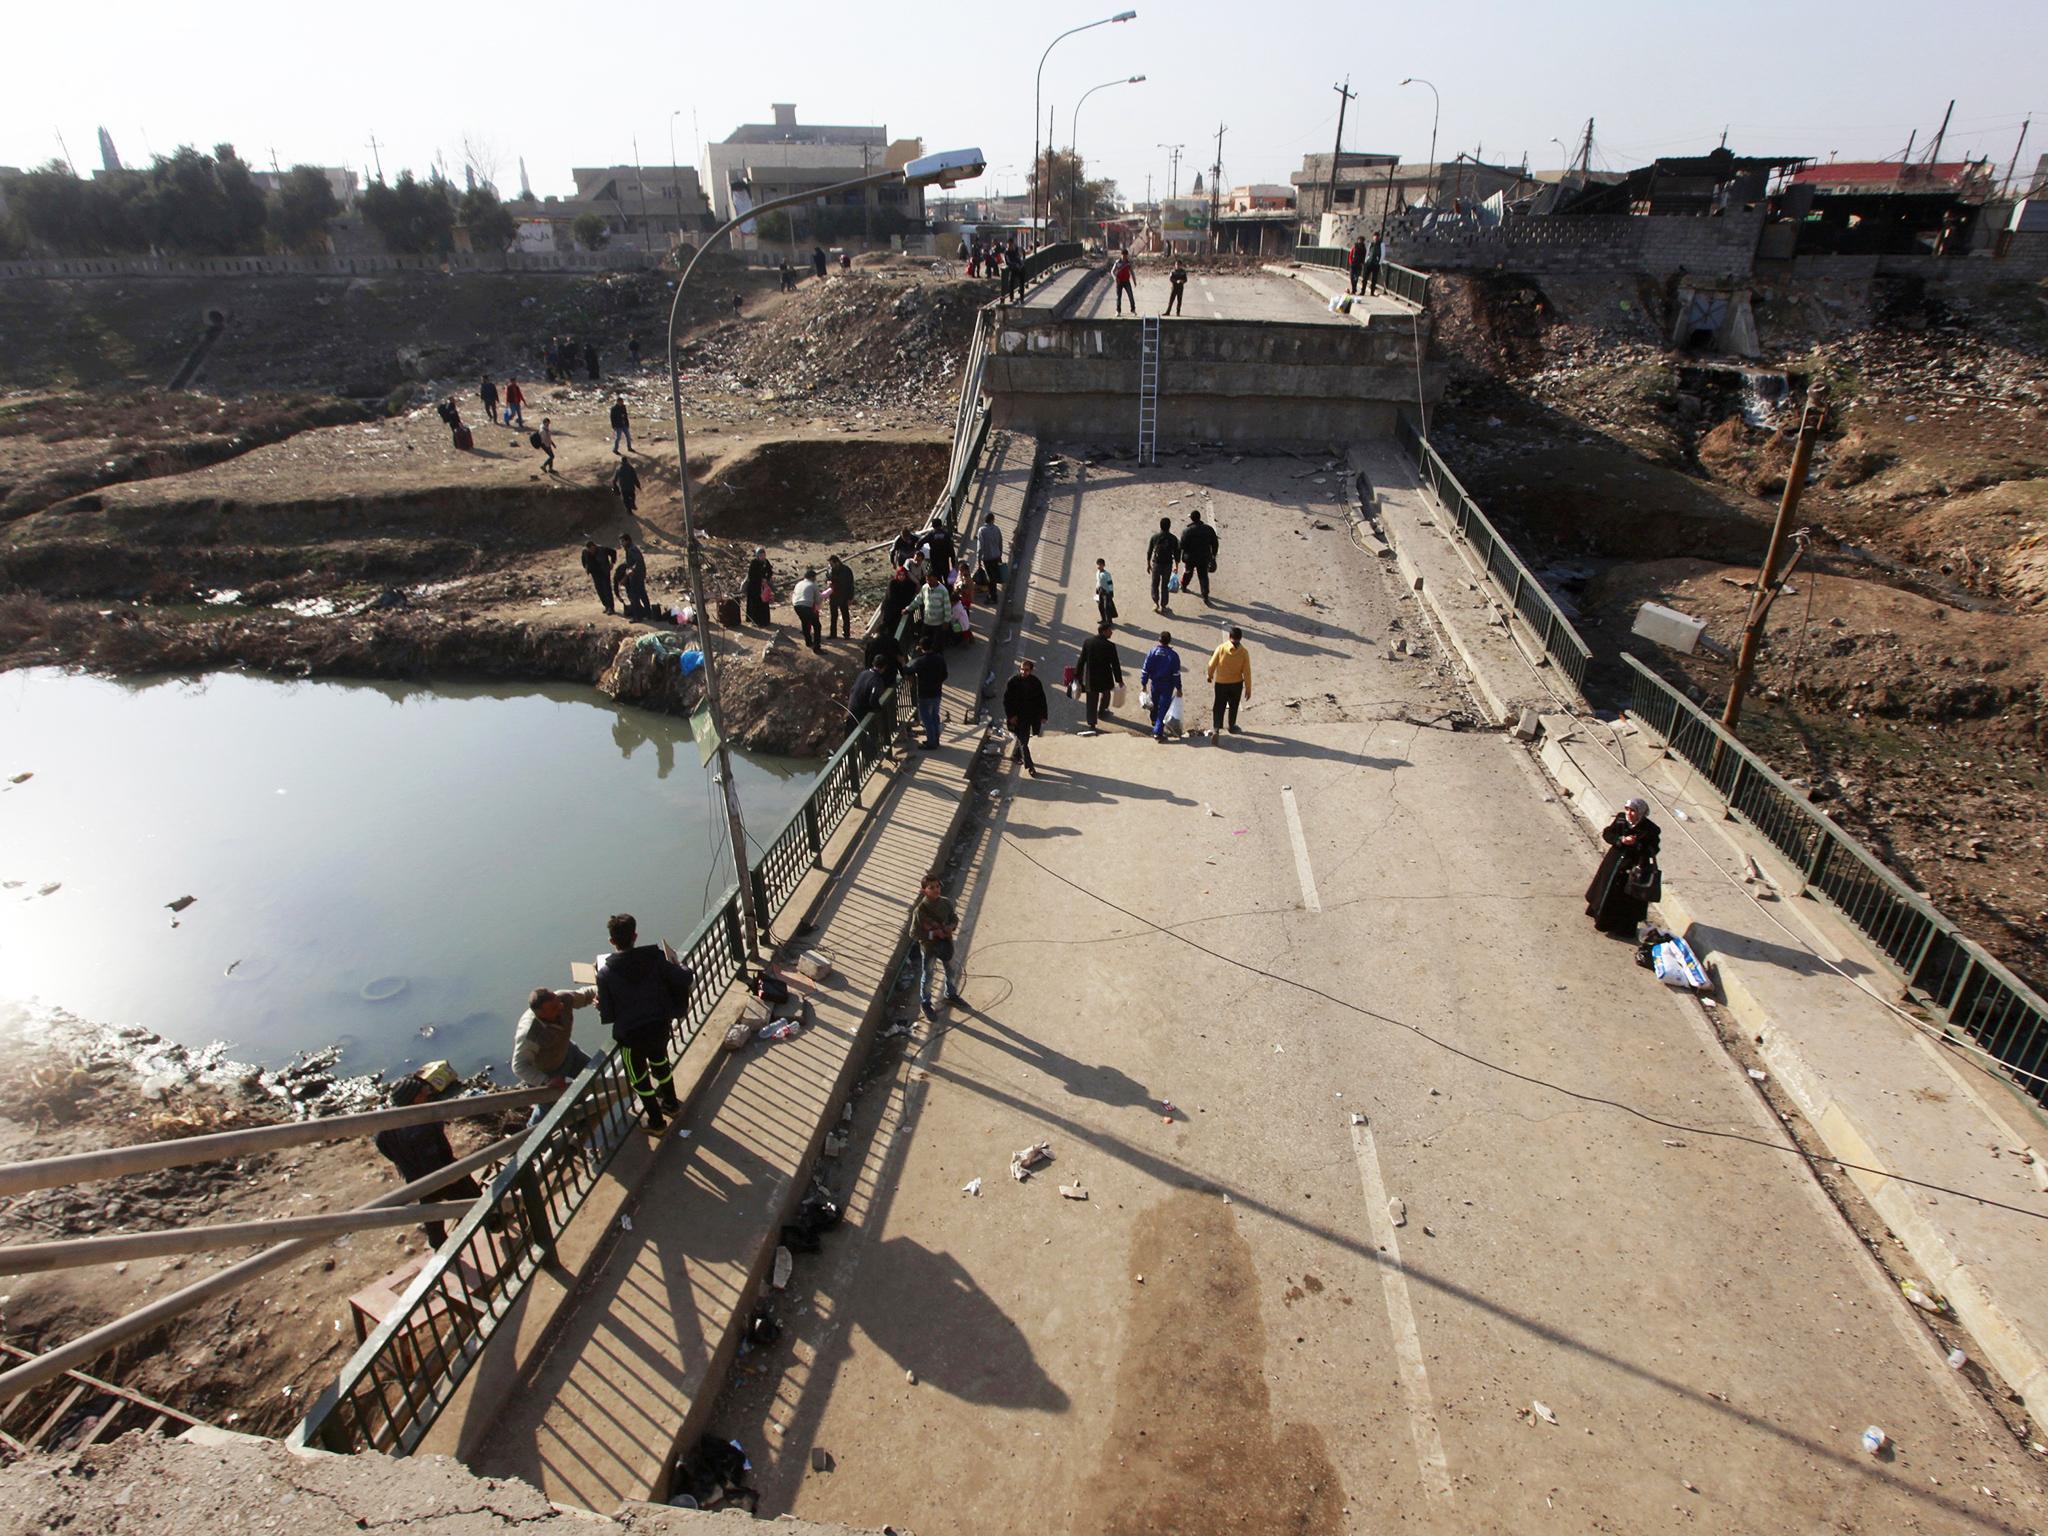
x,y
760,161
667,197
340,180
1259,197
1371,189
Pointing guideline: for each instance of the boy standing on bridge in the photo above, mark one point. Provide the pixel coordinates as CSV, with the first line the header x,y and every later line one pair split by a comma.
x,y
1178,279
641,991
1123,275
1356,261
1372,261
933,922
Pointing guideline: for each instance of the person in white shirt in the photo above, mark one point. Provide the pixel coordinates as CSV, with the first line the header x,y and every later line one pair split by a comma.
x,y
804,599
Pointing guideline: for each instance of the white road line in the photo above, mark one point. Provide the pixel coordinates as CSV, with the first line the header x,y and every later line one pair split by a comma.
x,y
1429,1444
1309,898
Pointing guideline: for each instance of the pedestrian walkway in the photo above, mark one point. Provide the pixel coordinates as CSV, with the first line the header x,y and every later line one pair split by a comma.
x,y
608,1390
1876,1084
1329,283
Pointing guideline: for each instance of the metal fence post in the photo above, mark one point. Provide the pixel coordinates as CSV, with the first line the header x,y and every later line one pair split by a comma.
x,y
811,826
539,1230
1823,846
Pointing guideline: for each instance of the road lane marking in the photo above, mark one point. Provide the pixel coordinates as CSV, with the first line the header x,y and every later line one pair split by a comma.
x,y
1429,1444
1309,898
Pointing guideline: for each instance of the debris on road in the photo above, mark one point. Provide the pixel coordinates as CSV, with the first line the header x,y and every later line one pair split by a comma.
x,y
1758,1075
1874,1441
1025,1159
1397,1209
1926,1301
181,903
1073,1192
1542,1411
785,1265
971,1187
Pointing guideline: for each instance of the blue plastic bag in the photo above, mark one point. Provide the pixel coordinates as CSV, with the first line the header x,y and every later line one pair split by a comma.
x,y
691,660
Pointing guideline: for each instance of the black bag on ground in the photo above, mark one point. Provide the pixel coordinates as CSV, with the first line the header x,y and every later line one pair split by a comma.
x,y
771,989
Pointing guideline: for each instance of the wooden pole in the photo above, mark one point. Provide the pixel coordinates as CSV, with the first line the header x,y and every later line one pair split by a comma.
x,y
148,1156
1767,578
118,1247
90,1346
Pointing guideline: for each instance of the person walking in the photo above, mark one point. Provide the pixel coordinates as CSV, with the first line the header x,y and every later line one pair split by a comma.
x,y
418,1150
632,578
590,361
488,393
547,445
1024,710
1124,278
839,595
933,609
1100,670
622,427
818,261
1230,669
988,546
633,350
515,404
1160,678
1013,269
760,588
1198,547
1162,558
933,924
1373,260
928,674
1177,286
1356,261
803,597
626,484
1627,880
874,680
597,560
1105,593
641,992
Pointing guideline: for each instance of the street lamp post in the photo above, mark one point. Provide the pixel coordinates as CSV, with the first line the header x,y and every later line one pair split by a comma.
x,y
1435,112
947,170
1038,172
1074,147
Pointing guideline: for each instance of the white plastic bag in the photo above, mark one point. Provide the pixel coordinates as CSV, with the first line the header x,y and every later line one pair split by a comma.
x,y
1116,697
1677,966
1174,717
1173,581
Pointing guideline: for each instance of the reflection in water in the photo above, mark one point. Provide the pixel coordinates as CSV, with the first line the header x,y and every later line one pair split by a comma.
x,y
466,840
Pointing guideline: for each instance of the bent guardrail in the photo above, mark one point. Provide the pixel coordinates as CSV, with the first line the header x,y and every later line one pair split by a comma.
x,y
1969,990
1561,643
1402,282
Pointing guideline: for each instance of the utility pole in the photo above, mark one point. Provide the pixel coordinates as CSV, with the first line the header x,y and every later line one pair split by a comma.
x,y
1767,579
1345,96
640,183
1586,155
1940,133
1215,183
1173,168
2013,168
377,151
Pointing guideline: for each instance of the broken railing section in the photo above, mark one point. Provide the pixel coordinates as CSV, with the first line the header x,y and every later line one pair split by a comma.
x,y
1973,995
1402,282
1525,594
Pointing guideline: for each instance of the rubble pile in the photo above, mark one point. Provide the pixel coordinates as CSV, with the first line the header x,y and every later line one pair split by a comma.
x,y
876,338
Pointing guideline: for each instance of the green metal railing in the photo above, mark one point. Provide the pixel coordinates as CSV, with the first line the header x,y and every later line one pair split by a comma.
x,y
1561,643
1402,282
1971,992
405,1373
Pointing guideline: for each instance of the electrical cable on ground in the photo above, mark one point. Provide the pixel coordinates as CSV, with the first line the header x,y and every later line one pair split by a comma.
x,y
1811,1158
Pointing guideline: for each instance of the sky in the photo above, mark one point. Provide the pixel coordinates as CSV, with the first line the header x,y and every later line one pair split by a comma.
x,y
562,88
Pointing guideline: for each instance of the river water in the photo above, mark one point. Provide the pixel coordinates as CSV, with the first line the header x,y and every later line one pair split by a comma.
x,y
385,866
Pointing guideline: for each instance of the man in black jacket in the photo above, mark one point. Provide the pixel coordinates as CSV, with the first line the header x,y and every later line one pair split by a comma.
x,y
418,1150
622,425
632,578
1162,555
1100,670
1025,709
626,481
1198,546
839,595
597,560
641,992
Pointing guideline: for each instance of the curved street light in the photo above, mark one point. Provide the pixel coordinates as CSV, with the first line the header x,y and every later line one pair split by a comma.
x,y
1435,112
1038,81
946,170
1074,149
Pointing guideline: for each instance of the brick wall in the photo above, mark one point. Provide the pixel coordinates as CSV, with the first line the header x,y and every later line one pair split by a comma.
x,y
325,266
1723,246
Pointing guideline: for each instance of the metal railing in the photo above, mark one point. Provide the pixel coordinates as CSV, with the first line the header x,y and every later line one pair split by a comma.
x,y
1561,643
1402,282
405,1372
1969,990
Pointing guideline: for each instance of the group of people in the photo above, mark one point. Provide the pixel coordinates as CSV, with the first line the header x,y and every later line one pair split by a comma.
x,y
561,354
515,402
1174,562
1364,262
622,571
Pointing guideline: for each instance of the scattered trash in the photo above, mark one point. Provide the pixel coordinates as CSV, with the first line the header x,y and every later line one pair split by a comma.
x,y
181,903
625,1223
1670,1143
821,1459
1957,1359
1022,1161
1679,812
51,889
1542,1411
911,1377
1677,966
1759,1076
22,778
1397,1208
815,963
1690,1486
1214,812
1356,1118
781,1029
231,968
971,1187
785,1265
1874,1441
1926,1301
1073,1192
835,1144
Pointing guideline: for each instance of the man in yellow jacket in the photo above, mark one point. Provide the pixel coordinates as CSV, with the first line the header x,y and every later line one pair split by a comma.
x,y
1230,669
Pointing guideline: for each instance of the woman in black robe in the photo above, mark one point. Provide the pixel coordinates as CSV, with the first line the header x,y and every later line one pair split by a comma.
x,y
1632,840
760,579
901,590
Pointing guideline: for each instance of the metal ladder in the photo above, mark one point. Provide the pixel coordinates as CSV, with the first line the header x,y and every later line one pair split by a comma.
x,y
1148,391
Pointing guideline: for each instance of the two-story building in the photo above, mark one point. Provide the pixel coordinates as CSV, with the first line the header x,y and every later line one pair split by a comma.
x,y
757,162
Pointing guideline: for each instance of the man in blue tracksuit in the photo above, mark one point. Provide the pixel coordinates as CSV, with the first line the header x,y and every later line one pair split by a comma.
x,y
1160,678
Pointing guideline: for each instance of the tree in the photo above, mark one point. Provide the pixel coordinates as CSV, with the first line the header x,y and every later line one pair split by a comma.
x,y
412,218
202,205
305,207
59,212
1067,175
491,225
591,231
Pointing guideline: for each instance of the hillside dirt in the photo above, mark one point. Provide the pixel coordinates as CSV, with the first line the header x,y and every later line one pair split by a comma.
x,y
1904,677
312,535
